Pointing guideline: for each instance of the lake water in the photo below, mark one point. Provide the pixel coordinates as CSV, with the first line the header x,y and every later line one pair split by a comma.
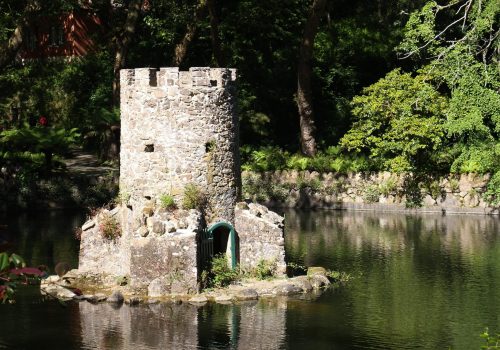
x,y
419,282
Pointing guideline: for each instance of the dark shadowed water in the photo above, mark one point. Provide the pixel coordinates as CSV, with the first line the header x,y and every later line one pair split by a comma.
x,y
420,282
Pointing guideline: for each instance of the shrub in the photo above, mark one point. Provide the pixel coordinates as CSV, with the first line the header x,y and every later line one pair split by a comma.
x,y
454,185
332,159
264,269
434,189
491,341
338,276
388,187
109,227
371,194
412,191
194,198
492,194
167,202
313,184
221,274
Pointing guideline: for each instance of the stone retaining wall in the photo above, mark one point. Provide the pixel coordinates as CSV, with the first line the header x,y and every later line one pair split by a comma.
x,y
368,191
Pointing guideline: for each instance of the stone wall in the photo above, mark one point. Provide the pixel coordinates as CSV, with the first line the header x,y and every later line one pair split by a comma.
x,y
368,191
158,256
179,128
99,254
260,237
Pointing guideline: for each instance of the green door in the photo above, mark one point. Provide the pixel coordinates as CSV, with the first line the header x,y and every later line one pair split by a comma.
x,y
209,236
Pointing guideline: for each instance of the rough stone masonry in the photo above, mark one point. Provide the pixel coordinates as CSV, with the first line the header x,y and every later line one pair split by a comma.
x,y
178,129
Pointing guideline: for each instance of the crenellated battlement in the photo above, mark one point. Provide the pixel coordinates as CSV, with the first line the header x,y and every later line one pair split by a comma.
x,y
173,77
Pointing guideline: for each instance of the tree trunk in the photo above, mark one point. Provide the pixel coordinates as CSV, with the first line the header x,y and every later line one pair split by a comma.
x,y
214,33
304,74
9,50
122,46
182,46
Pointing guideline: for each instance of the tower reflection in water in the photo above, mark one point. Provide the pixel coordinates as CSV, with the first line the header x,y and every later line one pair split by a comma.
x,y
249,325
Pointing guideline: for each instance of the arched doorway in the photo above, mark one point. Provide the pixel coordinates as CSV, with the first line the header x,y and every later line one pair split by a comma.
x,y
220,238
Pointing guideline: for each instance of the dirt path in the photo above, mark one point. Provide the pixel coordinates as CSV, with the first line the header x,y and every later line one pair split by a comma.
x,y
82,163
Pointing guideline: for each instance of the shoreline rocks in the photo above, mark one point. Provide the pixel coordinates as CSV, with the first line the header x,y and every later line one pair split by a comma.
x,y
95,290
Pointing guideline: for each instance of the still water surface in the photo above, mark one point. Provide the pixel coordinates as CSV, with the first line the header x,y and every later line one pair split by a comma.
x,y
420,282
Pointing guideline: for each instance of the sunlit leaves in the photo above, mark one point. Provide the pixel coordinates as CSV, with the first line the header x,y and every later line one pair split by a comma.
x,y
399,119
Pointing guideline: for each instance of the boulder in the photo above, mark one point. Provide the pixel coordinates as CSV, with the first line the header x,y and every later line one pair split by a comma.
x,y
247,294
287,289
198,299
224,299
304,283
116,297
319,281
316,270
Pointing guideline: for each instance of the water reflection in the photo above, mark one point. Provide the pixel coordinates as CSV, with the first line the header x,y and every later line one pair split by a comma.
x,y
42,238
313,235
245,326
423,281
104,326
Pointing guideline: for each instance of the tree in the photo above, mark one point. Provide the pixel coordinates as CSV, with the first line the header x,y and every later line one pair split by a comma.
x,y
399,121
122,43
214,34
453,100
10,48
304,74
460,40
191,28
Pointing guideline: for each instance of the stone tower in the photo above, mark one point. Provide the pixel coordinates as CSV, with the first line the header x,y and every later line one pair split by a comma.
x,y
177,129
180,128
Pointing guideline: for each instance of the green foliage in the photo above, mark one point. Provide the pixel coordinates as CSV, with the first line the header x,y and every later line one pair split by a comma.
x,y
399,121
446,117
312,183
412,191
388,187
109,227
492,194
338,186
371,193
123,197
27,145
261,190
454,185
434,189
294,269
221,274
167,202
338,276
332,159
122,280
265,269
194,198
490,341
264,159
